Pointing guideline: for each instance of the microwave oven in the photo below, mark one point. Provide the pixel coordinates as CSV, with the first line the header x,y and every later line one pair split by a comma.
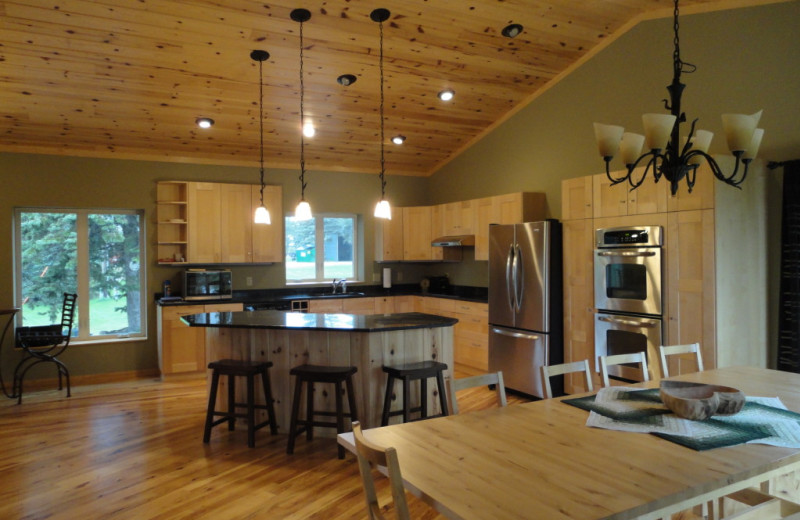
x,y
202,284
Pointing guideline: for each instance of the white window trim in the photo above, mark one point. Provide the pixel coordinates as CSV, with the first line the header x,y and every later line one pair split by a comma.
x,y
319,260
82,226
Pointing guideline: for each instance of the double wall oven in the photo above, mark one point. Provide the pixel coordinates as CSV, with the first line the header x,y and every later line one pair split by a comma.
x,y
628,274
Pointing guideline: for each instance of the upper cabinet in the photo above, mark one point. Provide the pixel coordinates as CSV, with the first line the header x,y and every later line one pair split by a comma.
x,y
618,200
172,221
389,238
417,233
219,226
512,208
458,218
576,198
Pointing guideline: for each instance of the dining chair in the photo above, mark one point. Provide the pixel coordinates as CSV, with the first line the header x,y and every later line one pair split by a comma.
x,y
492,378
619,359
566,368
674,350
370,456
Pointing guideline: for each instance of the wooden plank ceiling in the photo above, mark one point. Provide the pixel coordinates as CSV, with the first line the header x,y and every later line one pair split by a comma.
x,y
128,78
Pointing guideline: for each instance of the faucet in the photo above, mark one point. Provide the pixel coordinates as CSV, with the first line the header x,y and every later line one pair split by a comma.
x,y
339,283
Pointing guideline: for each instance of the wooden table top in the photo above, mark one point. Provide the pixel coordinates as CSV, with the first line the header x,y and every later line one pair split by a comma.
x,y
540,460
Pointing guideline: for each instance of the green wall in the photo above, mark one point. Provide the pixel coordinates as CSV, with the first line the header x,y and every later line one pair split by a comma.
x,y
747,59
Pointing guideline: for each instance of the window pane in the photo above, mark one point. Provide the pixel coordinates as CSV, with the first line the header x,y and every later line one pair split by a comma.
x,y
114,275
338,248
300,249
48,265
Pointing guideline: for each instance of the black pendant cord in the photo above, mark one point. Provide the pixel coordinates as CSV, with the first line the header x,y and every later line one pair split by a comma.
x,y
302,123
261,122
383,163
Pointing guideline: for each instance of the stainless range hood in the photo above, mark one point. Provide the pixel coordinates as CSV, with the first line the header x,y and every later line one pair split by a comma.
x,y
454,241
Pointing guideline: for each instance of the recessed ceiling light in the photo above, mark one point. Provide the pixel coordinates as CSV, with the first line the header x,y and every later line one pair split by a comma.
x,y
446,95
398,139
204,122
513,30
346,80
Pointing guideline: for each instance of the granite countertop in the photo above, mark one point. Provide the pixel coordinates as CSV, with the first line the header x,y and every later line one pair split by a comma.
x,y
455,292
311,321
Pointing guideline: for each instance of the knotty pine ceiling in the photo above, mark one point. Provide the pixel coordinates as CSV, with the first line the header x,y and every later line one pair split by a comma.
x,y
127,78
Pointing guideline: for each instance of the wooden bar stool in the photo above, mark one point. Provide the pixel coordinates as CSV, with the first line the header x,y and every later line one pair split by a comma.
x,y
411,372
310,374
249,369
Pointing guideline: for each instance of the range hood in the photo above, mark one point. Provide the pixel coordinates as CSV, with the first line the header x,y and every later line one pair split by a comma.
x,y
454,241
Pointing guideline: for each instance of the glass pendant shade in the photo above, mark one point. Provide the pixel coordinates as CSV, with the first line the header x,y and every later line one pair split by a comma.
x,y
383,210
739,130
302,211
262,216
657,129
608,138
751,151
700,142
631,147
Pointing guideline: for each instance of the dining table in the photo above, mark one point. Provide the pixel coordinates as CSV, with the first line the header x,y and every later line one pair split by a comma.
x,y
541,460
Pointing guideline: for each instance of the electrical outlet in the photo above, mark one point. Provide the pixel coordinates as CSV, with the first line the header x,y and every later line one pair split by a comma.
x,y
249,281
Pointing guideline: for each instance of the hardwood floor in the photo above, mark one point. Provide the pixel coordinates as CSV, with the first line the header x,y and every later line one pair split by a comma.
x,y
134,450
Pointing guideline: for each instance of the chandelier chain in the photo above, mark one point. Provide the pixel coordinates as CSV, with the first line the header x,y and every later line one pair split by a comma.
x,y
261,121
680,65
302,122
383,167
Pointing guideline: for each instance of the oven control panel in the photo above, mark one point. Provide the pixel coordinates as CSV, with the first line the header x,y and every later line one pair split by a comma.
x,y
644,236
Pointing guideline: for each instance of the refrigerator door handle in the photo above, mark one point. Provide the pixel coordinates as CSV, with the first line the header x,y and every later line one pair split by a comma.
x,y
519,286
515,334
509,269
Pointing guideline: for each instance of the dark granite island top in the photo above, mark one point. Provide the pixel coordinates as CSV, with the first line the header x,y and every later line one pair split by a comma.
x,y
327,322
289,339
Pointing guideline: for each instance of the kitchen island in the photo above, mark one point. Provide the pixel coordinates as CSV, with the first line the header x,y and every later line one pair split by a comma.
x,y
288,339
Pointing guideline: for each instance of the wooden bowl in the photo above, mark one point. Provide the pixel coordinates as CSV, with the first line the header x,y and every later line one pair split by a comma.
x,y
698,402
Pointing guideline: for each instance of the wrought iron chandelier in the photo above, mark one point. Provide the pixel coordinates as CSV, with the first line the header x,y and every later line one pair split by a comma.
x,y
667,155
382,209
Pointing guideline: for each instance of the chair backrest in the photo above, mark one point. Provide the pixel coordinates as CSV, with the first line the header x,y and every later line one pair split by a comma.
x,y
619,359
674,350
369,457
566,368
68,313
492,378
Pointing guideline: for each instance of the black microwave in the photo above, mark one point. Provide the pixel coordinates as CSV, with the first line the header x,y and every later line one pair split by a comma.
x,y
202,284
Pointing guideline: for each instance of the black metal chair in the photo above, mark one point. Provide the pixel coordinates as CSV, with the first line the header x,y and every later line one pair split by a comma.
x,y
43,344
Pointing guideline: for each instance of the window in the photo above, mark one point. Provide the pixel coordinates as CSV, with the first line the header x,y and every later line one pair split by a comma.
x,y
321,249
96,254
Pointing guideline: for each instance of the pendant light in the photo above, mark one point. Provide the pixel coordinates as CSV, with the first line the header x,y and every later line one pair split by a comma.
x,y
262,214
303,210
382,209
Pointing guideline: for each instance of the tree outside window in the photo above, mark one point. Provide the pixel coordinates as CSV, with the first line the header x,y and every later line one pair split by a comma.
x,y
321,249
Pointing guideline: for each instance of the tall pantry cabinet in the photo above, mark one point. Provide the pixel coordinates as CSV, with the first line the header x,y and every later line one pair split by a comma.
x,y
715,265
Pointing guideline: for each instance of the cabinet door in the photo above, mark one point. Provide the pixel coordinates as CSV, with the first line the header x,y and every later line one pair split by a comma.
x,y
702,195
471,335
417,233
405,303
650,197
389,237
267,239
326,305
483,216
437,230
358,306
236,221
204,223
385,305
691,282
608,200
576,198
182,348
578,237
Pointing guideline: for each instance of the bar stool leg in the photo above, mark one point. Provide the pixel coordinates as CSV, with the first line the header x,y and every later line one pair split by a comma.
x,y
298,388
231,402
387,401
251,412
351,400
265,381
309,410
442,396
406,399
339,416
212,399
423,398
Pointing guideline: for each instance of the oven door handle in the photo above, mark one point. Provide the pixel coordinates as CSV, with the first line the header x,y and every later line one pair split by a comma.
x,y
632,323
514,334
626,253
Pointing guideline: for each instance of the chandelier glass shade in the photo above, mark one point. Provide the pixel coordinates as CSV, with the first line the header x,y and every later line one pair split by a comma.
x,y
668,154
261,215
382,209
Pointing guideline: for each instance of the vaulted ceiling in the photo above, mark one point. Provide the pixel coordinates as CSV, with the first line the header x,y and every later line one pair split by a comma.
x,y
128,78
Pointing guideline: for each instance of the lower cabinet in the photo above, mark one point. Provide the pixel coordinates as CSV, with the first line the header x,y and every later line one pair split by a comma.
x,y
181,348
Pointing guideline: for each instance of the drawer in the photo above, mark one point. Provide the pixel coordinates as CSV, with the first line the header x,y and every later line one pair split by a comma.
x,y
472,308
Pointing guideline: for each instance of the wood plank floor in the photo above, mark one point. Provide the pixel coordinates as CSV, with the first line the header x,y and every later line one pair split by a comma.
x,y
134,450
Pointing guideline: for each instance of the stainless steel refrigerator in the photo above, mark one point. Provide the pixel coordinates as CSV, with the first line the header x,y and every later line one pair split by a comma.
x,y
525,303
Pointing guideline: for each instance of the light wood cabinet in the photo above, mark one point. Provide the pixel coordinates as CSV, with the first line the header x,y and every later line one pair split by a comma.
x,y
404,303
458,218
417,233
471,334
484,215
358,306
576,198
204,223
618,200
221,228
181,348
172,203
389,238
385,305
512,208
325,305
